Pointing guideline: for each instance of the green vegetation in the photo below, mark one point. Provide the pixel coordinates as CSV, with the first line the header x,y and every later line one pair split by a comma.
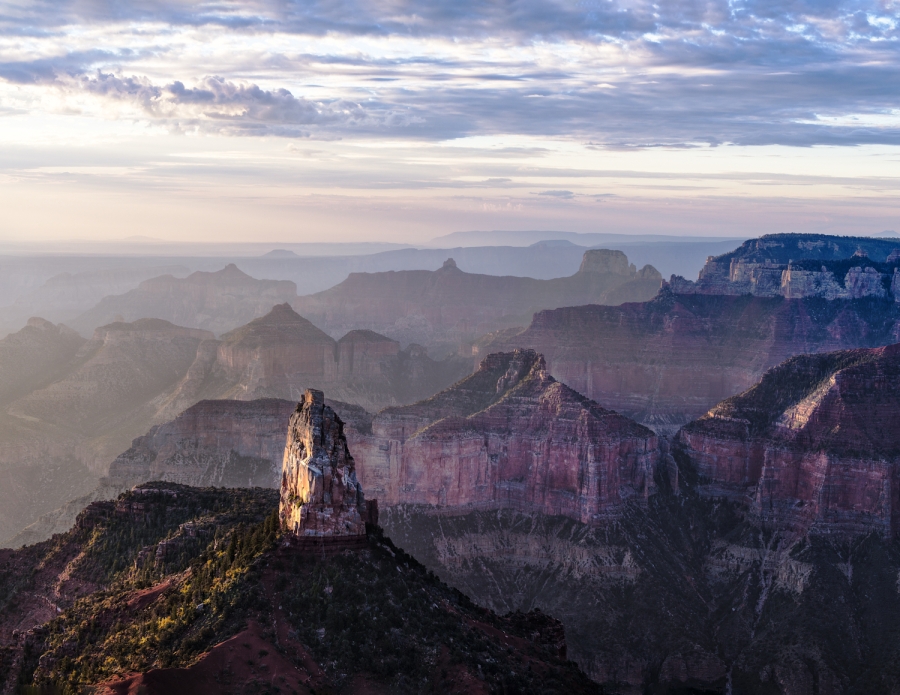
x,y
178,570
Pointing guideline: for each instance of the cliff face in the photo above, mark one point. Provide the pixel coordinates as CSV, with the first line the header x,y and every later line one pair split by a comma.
x,y
801,265
509,436
813,446
448,306
320,495
217,302
213,443
668,361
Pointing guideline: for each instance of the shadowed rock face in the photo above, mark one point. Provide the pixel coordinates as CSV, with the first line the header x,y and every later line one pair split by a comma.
x,y
668,361
509,436
213,443
813,446
449,306
281,354
320,496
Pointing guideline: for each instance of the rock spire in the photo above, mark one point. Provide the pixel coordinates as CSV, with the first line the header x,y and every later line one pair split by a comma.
x,y
320,495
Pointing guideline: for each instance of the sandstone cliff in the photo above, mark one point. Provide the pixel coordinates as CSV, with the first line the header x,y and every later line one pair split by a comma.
x,y
812,447
447,307
509,436
668,361
217,302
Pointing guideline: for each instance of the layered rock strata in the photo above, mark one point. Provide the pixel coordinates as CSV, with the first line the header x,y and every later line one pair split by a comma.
x,y
320,495
812,446
668,361
509,436
801,265
448,306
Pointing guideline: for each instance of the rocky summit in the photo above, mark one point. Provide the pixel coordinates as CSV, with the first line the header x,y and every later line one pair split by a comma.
x,y
509,436
812,447
320,495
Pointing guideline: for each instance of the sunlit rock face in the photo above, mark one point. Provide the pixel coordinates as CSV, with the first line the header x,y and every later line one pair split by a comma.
x,y
320,495
814,446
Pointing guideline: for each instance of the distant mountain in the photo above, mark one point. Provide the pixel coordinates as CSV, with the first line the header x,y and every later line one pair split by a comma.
x,y
219,301
527,237
448,306
68,294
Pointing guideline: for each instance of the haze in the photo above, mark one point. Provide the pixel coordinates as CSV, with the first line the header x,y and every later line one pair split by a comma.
x,y
401,121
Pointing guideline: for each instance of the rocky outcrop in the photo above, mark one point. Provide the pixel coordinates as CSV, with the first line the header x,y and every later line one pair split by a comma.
x,y
217,302
668,361
447,307
811,448
320,495
509,436
800,265
213,443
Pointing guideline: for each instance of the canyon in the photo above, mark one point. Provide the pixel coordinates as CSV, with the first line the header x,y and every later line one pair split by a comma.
x,y
449,307
669,576
70,406
667,361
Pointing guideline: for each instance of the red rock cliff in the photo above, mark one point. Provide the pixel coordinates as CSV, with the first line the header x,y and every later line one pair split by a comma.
x,y
668,361
813,446
509,436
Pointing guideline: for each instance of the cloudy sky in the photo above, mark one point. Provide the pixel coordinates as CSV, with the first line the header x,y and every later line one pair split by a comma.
x,y
401,120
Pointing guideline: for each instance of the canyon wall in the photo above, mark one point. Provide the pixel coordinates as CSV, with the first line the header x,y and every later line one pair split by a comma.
x,y
668,361
801,265
812,447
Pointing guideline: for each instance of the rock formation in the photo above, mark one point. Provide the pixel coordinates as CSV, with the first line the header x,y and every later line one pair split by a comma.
x,y
812,447
801,265
281,354
668,361
218,302
213,443
320,496
447,307
509,436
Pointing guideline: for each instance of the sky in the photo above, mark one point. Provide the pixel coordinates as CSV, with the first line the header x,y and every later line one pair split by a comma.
x,y
396,120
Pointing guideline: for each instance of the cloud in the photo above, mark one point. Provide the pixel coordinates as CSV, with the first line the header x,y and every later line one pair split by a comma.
x,y
619,75
562,195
